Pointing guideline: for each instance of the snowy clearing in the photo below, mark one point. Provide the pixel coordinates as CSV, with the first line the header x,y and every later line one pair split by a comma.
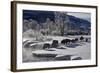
x,y
79,49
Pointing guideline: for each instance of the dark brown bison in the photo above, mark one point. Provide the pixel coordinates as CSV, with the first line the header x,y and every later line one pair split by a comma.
x,y
54,44
74,40
46,45
87,39
65,41
81,38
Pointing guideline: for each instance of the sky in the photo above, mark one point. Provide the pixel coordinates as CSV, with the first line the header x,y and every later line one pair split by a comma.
x,y
86,16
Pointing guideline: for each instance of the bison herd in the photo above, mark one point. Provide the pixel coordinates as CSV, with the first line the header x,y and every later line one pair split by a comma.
x,y
55,43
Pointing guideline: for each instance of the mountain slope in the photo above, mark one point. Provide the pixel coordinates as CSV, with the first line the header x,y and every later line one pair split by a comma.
x,y
41,16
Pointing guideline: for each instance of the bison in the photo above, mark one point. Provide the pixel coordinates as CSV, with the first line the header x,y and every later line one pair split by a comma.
x,y
54,44
81,38
46,45
65,41
74,40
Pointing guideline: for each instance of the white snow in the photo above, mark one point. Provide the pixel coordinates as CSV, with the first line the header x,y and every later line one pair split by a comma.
x,y
80,49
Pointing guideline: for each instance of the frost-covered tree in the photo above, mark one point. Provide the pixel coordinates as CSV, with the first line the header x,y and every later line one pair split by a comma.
x,y
46,27
61,21
33,24
25,25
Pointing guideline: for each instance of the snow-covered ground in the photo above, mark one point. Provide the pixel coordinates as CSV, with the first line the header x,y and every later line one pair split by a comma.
x,y
81,49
